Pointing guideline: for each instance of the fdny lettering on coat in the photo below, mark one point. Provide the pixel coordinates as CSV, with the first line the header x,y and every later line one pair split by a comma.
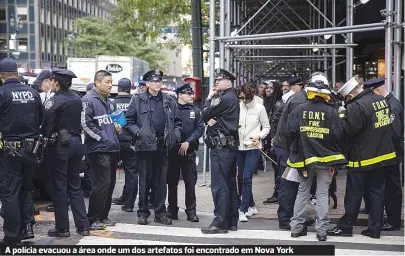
x,y
104,119
382,115
122,106
22,96
313,124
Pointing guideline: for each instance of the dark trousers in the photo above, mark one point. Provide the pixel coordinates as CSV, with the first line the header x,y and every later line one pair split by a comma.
x,y
281,156
246,160
223,187
103,170
374,181
288,190
16,194
86,181
127,155
152,164
393,195
188,169
273,156
64,170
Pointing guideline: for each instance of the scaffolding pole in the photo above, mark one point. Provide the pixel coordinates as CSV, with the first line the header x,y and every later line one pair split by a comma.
x,y
388,44
349,40
227,33
221,33
333,42
291,46
282,56
397,48
306,33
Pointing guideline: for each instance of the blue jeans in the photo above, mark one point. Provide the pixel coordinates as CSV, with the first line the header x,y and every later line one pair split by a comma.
x,y
247,164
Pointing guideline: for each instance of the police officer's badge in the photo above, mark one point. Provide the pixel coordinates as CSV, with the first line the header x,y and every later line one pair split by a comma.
x,y
111,106
392,118
85,104
192,115
216,102
48,104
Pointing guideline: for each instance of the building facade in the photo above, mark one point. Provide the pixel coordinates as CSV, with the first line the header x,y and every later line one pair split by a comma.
x,y
37,32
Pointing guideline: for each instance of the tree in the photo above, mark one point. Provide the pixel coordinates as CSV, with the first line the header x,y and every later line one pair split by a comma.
x,y
99,37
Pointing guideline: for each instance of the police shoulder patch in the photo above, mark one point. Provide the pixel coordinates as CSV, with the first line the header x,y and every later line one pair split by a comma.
x,y
392,118
49,104
216,102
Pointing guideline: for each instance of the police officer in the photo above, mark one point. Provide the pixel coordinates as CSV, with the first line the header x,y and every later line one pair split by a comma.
x,y
393,189
184,155
367,120
102,148
21,115
221,113
127,152
287,189
315,130
62,126
154,124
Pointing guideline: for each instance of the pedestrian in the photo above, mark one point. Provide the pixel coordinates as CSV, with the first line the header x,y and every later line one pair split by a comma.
x,y
44,83
367,120
253,128
393,188
221,114
316,131
154,124
127,151
183,156
63,127
102,148
21,115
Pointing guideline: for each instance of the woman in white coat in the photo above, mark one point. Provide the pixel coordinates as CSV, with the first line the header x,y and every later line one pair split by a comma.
x,y
253,127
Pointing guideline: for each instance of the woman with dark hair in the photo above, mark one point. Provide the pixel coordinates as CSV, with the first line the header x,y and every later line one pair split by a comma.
x,y
253,127
274,108
65,152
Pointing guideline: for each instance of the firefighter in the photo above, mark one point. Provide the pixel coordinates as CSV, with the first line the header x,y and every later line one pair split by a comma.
x,y
315,130
369,148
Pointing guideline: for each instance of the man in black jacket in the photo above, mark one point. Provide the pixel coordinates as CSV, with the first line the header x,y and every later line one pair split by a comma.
x,y
183,156
153,122
369,149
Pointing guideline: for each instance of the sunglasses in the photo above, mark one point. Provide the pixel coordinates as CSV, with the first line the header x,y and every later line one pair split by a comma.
x,y
188,92
242,98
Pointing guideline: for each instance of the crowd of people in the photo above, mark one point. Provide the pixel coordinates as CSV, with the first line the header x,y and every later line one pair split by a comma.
x,y
308,131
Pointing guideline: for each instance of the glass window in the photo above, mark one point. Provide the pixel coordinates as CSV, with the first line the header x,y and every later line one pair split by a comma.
x,y
55,47
22,13
3,14
48,45
60,21
23,44
42,18
3,43
48,17
61,48
42,44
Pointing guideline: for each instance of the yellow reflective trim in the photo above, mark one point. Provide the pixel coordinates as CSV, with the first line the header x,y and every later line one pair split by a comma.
x,y
341,115
324,159
371,161
295,165
315,159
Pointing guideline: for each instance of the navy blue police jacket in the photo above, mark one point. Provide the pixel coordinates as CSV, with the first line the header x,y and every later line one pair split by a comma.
x,y
224,108
63,111
121,102
21,111
140,123
193,125
99,129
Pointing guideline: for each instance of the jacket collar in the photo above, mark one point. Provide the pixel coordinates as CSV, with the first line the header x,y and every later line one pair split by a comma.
x,y
123,96
250,104
185,106
12,80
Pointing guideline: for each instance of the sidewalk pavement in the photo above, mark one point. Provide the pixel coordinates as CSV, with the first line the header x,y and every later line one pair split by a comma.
x,y
263,184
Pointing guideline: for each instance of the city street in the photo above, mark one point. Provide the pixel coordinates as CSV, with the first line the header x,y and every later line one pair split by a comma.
x,y
262,229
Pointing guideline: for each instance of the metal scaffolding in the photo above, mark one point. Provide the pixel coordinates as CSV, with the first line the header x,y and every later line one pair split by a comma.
x,y
279,38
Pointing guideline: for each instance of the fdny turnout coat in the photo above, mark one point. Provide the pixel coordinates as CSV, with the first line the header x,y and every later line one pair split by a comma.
x,y
316,127
367,127
99,129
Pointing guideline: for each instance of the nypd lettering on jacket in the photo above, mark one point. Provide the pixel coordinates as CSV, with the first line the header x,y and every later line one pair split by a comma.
x,y
104,119
122,106
22,96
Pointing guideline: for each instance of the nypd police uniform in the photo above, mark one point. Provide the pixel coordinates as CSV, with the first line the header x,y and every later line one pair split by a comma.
x,y
21,115
156,129
369,148
62,126
193,129
223,140
127,151
393,189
